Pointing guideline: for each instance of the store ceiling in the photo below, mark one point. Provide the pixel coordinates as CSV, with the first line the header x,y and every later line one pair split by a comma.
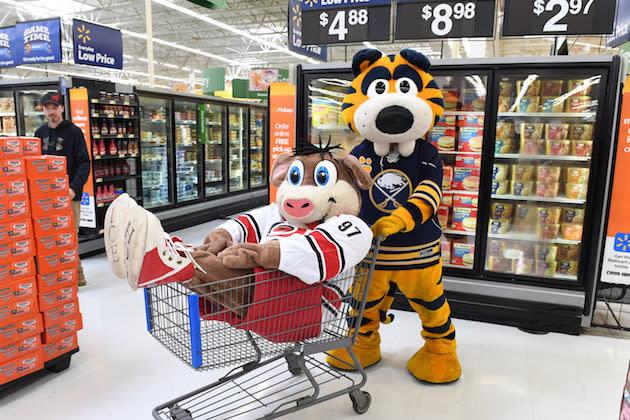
x,y
178,23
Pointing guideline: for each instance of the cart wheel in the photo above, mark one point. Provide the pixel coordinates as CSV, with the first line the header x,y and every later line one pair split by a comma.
x,y
360,401
293,365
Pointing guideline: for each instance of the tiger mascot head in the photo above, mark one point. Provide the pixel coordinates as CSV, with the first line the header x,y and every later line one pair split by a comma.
x,y
392,100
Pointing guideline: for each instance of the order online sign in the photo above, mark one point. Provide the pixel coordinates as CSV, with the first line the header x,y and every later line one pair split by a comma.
x,y
97,45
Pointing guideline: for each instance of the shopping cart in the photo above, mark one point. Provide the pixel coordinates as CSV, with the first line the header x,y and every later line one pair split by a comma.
x,y
272,327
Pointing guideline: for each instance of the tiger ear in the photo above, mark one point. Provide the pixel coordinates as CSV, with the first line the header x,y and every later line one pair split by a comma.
x,y
416,58
364,59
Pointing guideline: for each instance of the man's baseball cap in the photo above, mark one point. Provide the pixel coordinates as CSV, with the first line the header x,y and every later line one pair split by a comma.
x,y
52,98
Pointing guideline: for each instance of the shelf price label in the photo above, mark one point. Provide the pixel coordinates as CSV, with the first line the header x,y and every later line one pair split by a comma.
x,y
444,19
345,21
558,17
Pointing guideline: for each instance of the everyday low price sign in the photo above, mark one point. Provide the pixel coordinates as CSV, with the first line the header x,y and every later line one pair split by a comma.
x,y
97,45
345,21
417,19
295,34
558,17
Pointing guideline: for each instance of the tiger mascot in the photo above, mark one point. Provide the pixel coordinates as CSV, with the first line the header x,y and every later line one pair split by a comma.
x,y
392,103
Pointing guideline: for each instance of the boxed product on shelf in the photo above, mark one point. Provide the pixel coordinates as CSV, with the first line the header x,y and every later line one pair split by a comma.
x,y
45,166
470,138
447,177
10,146
56,240
62,328
501,210
17,329
12,167
15,308
43,226
42,187
15,229
14,208
16,268
464,219
500,172
57,259
443,214
462,252
21,366
445,249
18,289
17,248
64,310
19,348
60,346
62,278
464,200
42,205
12,187
31,146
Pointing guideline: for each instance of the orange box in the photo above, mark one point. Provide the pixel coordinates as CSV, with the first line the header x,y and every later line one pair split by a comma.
x,y
20,328
10,147
44,166
19,289
62,328
55,240
12,167
42,206
21,366
18,308
61,278
13,269
13,208
57,260
53,222
20,348
59,347
31,146
42,187
59,313
57,297
17,248
13,187
15,229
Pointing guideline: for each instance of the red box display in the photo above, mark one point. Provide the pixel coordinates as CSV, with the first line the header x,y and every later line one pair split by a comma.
x,y
57,297
45,166
55,280
42,205
53,222
57,260
18,308
14,269
42,187
20,328
15,229
13,187
10,146
19,348
17,248
12,167
55,240
21,366
19,289
62,328
13,208
31,146
59,347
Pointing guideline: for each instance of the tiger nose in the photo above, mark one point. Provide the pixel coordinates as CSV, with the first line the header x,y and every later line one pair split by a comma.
x,y
394,120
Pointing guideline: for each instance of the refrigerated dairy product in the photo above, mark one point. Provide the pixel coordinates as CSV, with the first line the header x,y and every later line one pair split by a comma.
x,y
546,173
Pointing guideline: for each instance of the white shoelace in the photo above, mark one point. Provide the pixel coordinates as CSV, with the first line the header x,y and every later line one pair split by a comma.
x,y
177,247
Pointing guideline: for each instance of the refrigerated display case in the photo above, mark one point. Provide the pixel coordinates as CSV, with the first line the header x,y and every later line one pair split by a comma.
x,y
237,147
155,147
526,149
186,151
214,149
257,144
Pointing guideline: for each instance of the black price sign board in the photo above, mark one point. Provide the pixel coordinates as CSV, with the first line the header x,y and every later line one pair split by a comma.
x,y
558,17
345,21
417,19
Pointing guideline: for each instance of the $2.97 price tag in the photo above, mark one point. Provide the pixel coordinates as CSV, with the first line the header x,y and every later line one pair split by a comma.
x,y
444,19
559,17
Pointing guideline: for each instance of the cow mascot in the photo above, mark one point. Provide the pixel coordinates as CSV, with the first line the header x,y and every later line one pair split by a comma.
x,y
312,233
392,103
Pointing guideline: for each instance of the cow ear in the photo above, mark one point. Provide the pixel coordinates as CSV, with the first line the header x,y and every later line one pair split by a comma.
x,y
280,169
361,176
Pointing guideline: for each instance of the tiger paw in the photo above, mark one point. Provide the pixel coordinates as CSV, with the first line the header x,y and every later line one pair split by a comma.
x,y
367,350
435,368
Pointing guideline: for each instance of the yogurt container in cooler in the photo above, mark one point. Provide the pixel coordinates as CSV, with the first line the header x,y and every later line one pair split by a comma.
x,y
580,131
556,131
529,104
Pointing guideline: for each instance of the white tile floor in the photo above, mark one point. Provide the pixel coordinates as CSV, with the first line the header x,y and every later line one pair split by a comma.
x,y
121,372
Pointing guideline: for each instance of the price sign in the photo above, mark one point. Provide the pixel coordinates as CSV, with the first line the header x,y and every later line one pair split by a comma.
x,y
558,17
345,21
444,19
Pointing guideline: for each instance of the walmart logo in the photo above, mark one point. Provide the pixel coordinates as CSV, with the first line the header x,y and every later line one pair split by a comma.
x,y
622,242
297,15
84,34
310,3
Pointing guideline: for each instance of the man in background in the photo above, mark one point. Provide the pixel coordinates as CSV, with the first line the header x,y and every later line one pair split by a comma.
x,y
63,138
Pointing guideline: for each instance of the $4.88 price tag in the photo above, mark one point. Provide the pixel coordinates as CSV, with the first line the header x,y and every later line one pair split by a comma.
x,y
444,19
560,17
338,26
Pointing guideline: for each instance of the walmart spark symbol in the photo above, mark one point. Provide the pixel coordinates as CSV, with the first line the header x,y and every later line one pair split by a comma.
x,y
297,15
622,242
84,34
310,3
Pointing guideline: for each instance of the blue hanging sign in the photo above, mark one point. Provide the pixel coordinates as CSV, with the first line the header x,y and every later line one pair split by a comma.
x,y
295,34
97,45
38,41
8,56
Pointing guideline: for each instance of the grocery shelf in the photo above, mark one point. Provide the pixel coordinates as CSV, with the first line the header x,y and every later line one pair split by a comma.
x,y
463,192
7,114
445,264
455,152
530,238
536,198
463,113
458,232
541,157
584,115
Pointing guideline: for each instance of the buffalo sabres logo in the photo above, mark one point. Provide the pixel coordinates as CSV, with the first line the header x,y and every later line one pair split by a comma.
x,y
389,189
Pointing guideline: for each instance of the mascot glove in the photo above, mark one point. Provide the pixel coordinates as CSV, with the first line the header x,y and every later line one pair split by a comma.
x,y
247,255
388,225
216,241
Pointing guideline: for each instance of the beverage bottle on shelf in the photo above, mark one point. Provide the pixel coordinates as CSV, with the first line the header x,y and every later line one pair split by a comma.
x,y
111,194
101,148
99,194
112,128
95,130
125,169
122,128
130,129
104,129
95,148
117,169
124,147
113,150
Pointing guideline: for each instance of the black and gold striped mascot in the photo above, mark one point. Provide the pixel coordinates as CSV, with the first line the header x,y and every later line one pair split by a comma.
x,y
392,103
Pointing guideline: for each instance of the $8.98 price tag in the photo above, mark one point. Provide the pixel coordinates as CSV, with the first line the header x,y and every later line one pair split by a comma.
x,y
561,17
444,19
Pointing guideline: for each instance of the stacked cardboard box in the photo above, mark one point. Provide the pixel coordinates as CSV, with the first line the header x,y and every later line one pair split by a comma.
x,y
39,309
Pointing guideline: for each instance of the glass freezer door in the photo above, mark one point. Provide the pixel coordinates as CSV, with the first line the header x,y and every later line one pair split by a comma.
x,y
237,129
545,135
8,121
32,114
186,151
214,148
155,136
257,124
458,137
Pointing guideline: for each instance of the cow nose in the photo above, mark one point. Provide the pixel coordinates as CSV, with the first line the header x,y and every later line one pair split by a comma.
x,y
298,208
394,120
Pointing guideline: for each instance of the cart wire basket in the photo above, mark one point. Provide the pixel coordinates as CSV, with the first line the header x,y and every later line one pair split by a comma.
x,y
268,326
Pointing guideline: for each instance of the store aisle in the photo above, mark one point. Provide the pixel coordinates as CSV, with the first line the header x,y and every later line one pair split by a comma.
x,y
121,372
